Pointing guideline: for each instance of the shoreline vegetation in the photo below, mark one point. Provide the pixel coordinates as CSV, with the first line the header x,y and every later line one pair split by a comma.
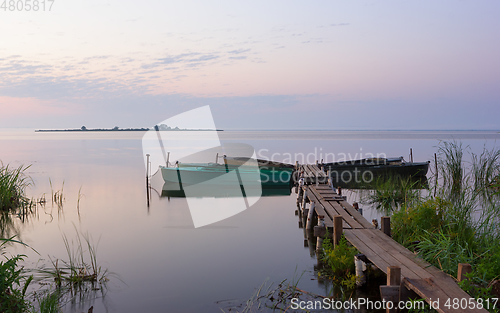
x,y
76,280
161,127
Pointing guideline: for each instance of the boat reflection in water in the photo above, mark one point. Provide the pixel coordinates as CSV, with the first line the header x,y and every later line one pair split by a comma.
x,y
176,190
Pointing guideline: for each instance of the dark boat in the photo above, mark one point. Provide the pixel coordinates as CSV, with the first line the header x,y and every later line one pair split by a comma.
x,y
370,169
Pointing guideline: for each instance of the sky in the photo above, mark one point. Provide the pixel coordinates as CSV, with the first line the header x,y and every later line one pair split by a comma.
x,y
392,64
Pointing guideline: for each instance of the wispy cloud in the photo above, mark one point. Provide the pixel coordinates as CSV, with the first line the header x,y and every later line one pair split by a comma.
x,y
239,51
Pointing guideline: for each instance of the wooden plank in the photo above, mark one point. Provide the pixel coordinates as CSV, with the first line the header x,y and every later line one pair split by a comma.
x,y
356,215
442,285
384,246
325,188
392,261
422,287
351,221
439,278
307,172
351,236
317,171
323,210
427,292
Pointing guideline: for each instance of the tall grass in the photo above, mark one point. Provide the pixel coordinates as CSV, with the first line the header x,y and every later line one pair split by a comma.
x,y
460,224
81,265
13,282
391,192
13,182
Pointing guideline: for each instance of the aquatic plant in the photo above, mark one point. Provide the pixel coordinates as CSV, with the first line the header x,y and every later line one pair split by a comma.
x,y
270,297
48,301
391,192
81,265
339,259
13,183
13,283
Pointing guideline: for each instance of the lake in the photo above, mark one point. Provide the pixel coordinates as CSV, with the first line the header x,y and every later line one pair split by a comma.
x,y
159,260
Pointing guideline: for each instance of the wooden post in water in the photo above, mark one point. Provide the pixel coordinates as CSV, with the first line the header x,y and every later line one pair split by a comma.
x,y
147,177
463,268
411,155
360,267
299,195
319,233
304,199
337,229
437,173
386,225
310,216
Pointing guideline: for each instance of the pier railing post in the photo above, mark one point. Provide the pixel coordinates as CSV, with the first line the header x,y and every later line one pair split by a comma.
x,y
386,225
337,229
391,292
463,268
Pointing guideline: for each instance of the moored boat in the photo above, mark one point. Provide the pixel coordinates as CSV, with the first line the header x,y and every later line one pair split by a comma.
x,y
370,168
223,174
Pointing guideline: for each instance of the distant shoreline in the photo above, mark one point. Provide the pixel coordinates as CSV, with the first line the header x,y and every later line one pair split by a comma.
x,y
118,130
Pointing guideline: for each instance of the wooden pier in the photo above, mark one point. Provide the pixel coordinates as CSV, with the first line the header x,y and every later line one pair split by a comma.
x,y
407,273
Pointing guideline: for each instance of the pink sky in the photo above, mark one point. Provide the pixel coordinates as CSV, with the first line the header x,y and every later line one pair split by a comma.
x,y
126,63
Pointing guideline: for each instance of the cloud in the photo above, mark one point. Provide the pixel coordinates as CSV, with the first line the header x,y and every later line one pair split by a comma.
x,y
187,59
239,51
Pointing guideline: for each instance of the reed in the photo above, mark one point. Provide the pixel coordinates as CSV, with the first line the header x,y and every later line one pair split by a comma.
x,y
81,265
13,282
13,182
48,301
390,193
460,224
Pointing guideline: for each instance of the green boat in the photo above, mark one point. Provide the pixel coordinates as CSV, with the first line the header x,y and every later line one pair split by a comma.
x,y
246,173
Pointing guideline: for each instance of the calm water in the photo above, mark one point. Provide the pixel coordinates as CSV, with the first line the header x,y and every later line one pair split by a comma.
x,y
163,262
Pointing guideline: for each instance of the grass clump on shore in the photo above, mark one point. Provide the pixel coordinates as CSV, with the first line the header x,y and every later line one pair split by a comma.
x,y
13,183
460,223
13,283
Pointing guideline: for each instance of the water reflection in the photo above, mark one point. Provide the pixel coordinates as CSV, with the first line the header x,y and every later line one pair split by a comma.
x,y
216,191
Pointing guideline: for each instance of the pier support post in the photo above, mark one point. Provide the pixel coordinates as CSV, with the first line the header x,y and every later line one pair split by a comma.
x,y
360,266
147,178
391,292
310,216
304,199
299,195
320,230
386,225
463,268
337,229
339,190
